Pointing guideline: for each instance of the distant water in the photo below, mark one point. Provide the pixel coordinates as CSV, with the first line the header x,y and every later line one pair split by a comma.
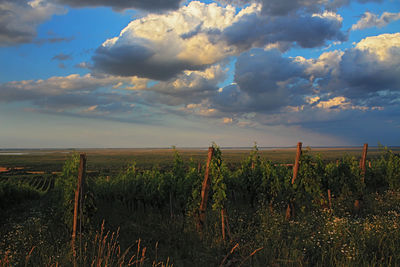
x,y
33,152
12,153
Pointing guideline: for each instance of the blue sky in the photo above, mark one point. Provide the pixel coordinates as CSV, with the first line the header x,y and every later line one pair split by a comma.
x,y
186,73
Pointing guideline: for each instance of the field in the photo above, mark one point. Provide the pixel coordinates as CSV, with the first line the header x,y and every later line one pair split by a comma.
x,y
140,207
114,160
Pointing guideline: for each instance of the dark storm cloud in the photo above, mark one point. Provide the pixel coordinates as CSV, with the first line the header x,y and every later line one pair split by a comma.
x,y
9,34
19,19
149,5
265,82
361,127
307,31
364,73
137,60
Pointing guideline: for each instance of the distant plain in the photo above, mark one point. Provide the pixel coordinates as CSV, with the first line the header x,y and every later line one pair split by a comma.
x,y
111,160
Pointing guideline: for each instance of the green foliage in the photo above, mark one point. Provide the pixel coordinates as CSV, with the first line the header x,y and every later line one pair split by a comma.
x,y
307,189
219,174
385,171
344,178
12,194
251,175
65,186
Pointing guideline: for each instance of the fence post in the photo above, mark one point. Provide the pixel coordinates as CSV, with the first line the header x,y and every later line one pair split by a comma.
x,y
329,199
290,208
297,162
78,201
223,223
363,162
204,192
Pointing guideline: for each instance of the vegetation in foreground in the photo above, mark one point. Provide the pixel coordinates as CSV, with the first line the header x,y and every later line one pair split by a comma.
x,y
148,217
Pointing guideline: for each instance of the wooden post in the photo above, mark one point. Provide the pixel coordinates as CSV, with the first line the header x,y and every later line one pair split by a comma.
x,y
204,192
223,223
297,162
290,208
363,162
329,199
78,200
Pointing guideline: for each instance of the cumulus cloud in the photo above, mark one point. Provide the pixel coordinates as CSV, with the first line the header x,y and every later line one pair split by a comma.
x,y
254,30
369,68
148,5
285,7
369,20
366,74
161,46
199,35
20,18
270,89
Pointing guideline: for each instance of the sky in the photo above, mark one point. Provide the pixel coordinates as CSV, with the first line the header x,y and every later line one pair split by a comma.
x,y
162,73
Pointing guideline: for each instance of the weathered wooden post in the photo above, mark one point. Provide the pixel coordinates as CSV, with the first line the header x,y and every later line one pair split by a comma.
x,y
290,208
363,162
204,192
329,199
297,162
223,223
78,201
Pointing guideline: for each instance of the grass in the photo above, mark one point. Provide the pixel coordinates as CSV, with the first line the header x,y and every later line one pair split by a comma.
x,y
264,238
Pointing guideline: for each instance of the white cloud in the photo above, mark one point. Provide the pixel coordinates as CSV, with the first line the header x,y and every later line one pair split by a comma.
x,y
369,20
381,46
160,46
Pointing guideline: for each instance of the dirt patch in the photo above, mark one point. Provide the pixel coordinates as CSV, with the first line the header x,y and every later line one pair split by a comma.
x,y
36,172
